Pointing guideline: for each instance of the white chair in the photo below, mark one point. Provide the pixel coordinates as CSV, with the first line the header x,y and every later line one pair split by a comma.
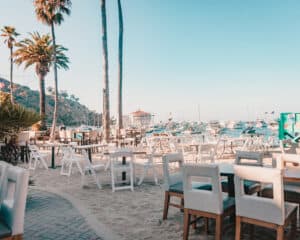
x,y
173,185
36,158
207,152
12,210
147,165
119,167
250,159
23,138
291,189
4,168
68,160
205,202
91,168
272,213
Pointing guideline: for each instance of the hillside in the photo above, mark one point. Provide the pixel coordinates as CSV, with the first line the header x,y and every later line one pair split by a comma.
x,y
71,112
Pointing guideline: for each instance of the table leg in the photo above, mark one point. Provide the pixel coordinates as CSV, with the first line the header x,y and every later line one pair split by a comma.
x,y
231,186
22,153
123,173
53,157
90,154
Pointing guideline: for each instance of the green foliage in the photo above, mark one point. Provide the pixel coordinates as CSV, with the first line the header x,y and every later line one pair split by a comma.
x,y
38,51
14,117
9,34
71,111
52,11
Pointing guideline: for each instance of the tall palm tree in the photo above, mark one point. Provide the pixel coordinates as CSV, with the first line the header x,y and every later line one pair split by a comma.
x,y
105,91
10,34
120,76
51,13
38,51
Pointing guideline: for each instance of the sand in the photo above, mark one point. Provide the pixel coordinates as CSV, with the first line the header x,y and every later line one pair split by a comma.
x,y
128,215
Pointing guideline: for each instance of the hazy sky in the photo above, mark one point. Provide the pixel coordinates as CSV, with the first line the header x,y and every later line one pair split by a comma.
x,y
222,59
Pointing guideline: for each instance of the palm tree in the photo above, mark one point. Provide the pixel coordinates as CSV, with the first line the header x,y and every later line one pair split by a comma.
x,y
50,12
120,102
38,51
105,91
9,33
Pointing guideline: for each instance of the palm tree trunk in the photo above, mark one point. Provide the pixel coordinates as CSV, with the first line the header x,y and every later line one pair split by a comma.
x,y
42,101
52,135
106,114
11,76
120,86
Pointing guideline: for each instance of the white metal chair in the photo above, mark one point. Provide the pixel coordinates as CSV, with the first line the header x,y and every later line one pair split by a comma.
x,y
12,210
68,160
91,168
205,202
122,161
36,158
272,213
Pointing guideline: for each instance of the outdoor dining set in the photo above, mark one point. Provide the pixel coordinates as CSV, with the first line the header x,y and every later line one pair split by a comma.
x,y
248,191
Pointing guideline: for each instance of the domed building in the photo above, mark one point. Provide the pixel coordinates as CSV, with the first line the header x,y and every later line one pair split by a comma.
x,y
140,118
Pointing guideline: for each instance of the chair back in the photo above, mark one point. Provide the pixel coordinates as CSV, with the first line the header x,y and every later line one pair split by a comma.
x,y
14,191
255,207
3,176
174,177
86,163
67,153
23,138
203,200
119,154
253,158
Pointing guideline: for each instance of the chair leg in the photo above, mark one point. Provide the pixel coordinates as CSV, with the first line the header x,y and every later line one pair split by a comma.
x,y
238,228
294,226
166,205
280,233
195,222
251,231
219,227
206,223
186,224
181,204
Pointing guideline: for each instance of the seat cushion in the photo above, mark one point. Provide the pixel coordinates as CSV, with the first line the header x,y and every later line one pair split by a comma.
x,y
250,186
178,187
228,202
4,230
291,192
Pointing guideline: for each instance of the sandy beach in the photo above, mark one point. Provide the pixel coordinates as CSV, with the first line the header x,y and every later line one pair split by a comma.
x,y
125,214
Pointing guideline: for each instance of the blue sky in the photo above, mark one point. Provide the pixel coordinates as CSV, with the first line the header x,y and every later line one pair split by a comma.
x,y
230,59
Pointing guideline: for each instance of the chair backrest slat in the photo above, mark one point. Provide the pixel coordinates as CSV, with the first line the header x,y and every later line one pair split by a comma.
x,y
203,200
174,177
251,206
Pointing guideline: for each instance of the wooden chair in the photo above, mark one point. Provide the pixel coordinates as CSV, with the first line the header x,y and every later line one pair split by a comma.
x,y
12,210
270,213
205,203
252,159
173,182
291,189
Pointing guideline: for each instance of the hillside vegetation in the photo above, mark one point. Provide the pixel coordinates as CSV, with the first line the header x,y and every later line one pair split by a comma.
x,y
71,112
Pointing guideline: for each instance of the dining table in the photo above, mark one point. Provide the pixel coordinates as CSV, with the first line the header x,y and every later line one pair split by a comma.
x,y
89,148
290,174
53,146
